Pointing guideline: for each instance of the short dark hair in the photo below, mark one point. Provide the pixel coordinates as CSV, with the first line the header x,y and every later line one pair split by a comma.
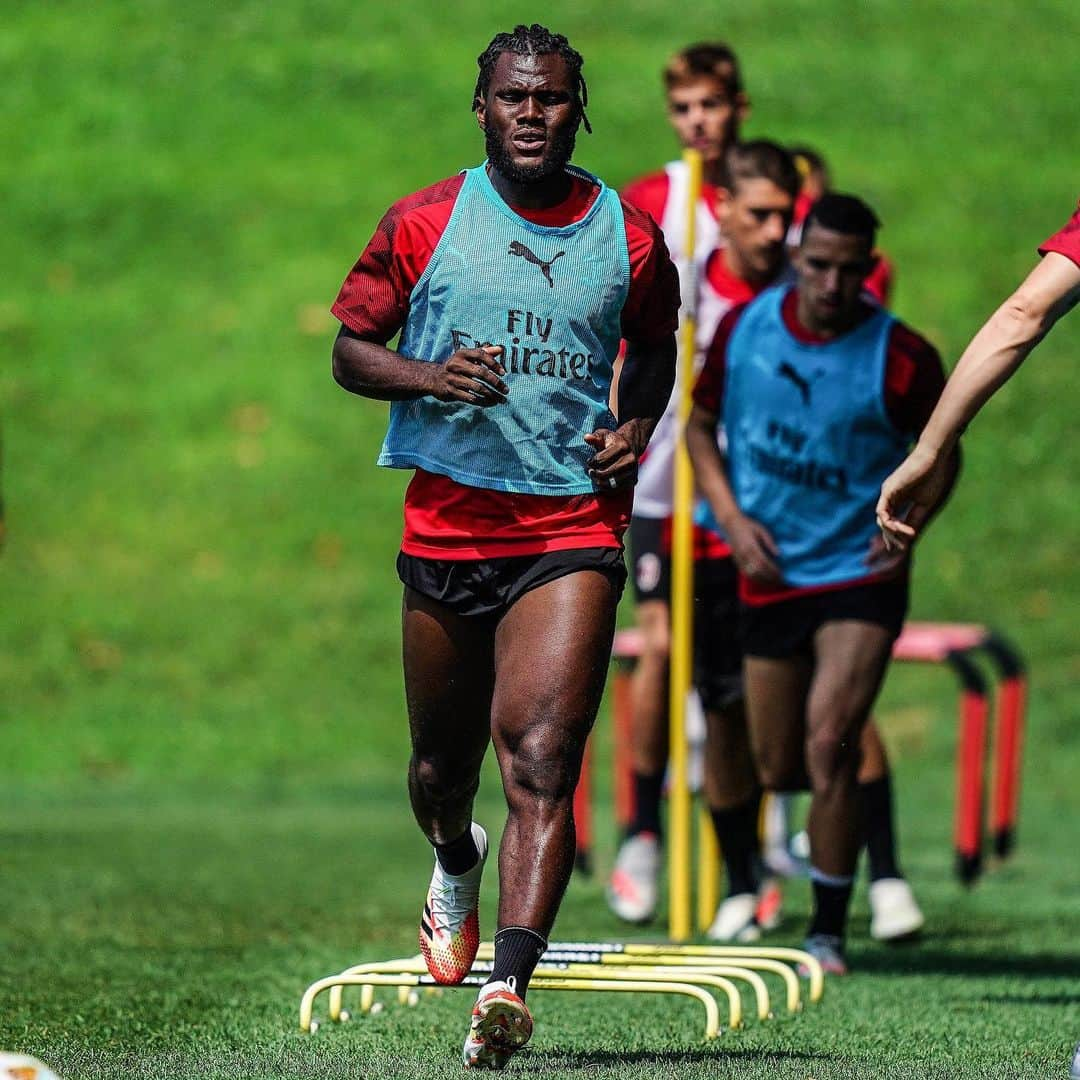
x,y
705,60
846,214
760,159
535,40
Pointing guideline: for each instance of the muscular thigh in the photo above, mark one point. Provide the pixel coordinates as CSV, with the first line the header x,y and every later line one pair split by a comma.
x,y
850,660
552,650
449,677
775,696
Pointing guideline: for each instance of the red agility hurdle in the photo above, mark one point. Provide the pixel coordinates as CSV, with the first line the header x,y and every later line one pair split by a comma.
x,y
954,644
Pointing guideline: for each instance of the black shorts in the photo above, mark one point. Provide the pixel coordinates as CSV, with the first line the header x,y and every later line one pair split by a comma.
x,y
490,586
787,627
651,566
717,649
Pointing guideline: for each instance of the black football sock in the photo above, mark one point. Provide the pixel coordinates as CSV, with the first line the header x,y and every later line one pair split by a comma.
x,y
460,855
517,952
648,788
832,894
876,818
737,835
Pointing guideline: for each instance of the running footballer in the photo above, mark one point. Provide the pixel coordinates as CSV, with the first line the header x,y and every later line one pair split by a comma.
x,y
512,284
819,394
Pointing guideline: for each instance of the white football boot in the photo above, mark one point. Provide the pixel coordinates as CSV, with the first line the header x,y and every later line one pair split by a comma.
x,y
735,920
633,888
501,1025
894,914
450,923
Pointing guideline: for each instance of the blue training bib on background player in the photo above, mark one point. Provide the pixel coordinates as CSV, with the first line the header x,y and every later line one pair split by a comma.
x,y
553,299
809,438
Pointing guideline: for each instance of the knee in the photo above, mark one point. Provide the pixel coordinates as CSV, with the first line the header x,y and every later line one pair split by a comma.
x,y
776,774
832,752
442,780
544,766
655,637
777,771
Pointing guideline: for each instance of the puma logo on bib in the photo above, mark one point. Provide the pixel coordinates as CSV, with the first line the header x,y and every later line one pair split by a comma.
x,y
519,249
786,371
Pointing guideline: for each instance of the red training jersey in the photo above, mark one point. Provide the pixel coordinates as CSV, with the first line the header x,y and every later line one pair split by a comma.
x,y
652,191
447,520
1067,240
914,380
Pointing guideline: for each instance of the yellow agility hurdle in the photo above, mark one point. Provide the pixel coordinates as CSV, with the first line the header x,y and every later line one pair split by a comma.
x,y
719,977
792,992
555,980
691,955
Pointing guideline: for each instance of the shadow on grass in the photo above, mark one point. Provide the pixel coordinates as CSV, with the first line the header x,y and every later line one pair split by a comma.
x,y
572,1060
1032,999
916,960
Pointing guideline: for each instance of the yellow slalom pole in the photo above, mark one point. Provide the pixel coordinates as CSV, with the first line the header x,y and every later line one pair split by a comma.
x,y
680,826
708,872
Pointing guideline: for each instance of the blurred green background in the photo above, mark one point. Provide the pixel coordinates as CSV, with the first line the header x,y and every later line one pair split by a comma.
x,y
199,635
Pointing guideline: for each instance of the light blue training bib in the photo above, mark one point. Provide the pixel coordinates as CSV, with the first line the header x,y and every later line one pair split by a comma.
x,y
553,299
809,439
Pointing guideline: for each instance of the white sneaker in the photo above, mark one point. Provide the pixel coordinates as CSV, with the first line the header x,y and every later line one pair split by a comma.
x,y
894,914
735,920
500,1026
633,889
450,924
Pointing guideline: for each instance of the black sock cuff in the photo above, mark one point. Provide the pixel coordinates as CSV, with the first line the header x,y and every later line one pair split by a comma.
x,y
517,952
740,848
460,855
882,785
522,930
648,792
876,823
831,899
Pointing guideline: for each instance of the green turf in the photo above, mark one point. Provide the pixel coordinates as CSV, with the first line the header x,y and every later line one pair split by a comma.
x,y
201,736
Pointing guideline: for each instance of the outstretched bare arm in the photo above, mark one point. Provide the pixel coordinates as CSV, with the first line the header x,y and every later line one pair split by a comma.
x,y
997,350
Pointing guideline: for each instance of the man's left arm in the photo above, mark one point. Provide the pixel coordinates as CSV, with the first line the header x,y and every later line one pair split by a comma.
x,y
646,377
645,385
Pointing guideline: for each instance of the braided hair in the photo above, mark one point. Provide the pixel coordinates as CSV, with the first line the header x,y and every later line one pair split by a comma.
x,y
535,40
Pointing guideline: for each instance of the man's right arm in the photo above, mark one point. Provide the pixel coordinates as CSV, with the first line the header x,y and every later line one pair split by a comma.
x,y
373,305
1001,346
752,547
995,353
363,367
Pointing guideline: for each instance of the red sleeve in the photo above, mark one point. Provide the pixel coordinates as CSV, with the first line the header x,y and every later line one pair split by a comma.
x,y
879,282
649,193
914,380
709,388
374,299
651,312
1067,241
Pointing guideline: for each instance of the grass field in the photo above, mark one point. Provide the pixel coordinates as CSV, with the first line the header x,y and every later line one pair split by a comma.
x,y
201,738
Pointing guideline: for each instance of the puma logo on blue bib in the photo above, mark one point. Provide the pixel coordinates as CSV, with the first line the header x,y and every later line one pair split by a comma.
x,y
517,248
